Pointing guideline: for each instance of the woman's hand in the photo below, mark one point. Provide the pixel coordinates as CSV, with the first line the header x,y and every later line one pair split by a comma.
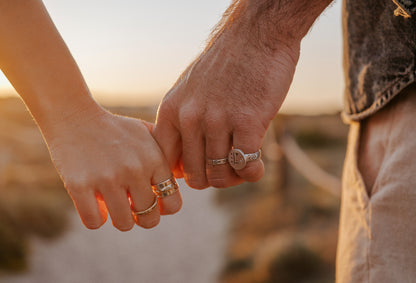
x,y
108,163
105,161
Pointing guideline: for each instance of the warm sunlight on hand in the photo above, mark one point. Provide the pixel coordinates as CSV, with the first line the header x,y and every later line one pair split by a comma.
x,y
226,99
108,163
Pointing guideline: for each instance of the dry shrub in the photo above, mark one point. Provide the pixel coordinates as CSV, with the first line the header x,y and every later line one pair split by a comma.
x,y
33,201
28,213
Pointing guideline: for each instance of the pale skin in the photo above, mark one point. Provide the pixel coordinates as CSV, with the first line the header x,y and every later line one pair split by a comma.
x,y
232,91
106,162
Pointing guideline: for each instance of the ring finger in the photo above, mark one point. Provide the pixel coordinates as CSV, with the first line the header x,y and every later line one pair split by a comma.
x,y
145,208
249,143
170,199
219,172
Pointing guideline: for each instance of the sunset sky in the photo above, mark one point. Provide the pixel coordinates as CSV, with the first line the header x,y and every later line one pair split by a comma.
x,y
132,51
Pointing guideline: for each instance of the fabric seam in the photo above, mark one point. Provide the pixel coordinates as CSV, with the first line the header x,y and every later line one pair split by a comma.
x,y
381,101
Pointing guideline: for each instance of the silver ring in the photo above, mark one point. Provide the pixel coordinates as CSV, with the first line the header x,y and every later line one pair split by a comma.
x,y
166,188
215,162
148,210
238,159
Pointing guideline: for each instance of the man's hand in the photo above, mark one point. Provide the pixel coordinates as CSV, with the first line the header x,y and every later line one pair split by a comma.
x,y
228,96
226,99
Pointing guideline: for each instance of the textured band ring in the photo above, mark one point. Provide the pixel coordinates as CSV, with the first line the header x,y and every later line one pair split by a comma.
x,y
215,162
166,188
148,210
238,159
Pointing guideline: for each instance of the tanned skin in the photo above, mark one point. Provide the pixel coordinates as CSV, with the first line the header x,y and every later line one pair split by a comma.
x,y
228,96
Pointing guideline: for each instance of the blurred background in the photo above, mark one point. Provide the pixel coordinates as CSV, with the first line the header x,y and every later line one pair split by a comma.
x,y
281,229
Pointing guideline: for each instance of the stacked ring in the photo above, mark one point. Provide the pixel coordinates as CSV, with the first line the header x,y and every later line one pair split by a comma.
x,y
166,188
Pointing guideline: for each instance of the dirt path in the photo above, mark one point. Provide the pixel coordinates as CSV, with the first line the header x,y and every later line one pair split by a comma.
x,y
187,247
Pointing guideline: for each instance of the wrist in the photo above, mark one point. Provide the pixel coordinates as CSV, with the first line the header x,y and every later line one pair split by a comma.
x,y
270,25
57,112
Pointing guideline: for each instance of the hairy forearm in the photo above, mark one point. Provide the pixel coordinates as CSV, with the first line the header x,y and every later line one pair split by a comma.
x,y
39,65
269,24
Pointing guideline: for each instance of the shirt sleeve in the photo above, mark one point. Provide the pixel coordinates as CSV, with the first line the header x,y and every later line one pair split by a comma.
x,y
405,8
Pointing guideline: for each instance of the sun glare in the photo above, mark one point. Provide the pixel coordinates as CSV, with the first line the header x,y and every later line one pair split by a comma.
x,y
6,89
134,60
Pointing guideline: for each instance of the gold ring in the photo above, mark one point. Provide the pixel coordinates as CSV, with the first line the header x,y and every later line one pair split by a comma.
x,y
165,188
148,210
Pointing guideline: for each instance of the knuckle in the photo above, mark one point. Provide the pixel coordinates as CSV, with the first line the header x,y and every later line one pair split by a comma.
x,y
248,123
74,192
101,180
218,180
222,177
156,160
76,185
188,118
109,178
131,168
196,179
214,119
197,184
108,183
218,183
166,108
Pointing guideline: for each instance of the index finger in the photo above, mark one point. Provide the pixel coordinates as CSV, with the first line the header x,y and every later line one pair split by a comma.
x,y
169,141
